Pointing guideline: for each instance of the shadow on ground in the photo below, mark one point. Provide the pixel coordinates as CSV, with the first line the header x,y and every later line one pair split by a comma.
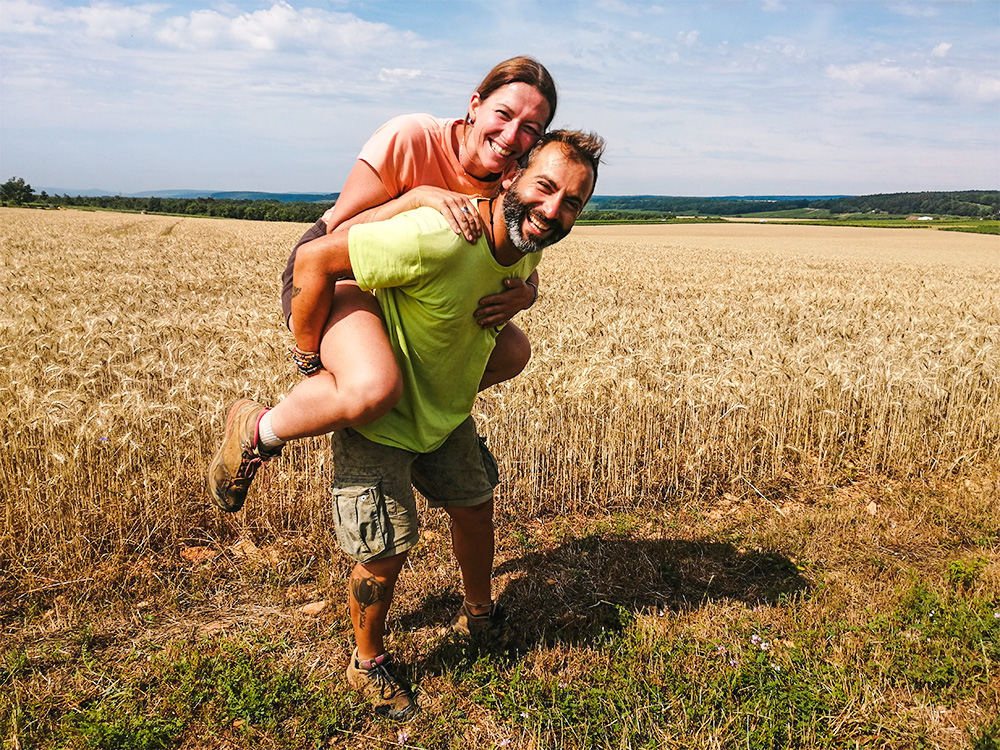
x,y
577,592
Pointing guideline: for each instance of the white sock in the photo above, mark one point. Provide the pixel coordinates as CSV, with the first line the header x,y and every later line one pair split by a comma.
x,y
265,433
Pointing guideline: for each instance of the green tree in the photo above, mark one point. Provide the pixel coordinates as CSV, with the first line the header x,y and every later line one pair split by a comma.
x,y
16,191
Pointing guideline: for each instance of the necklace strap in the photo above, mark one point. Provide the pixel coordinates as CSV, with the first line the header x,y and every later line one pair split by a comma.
x,y
493,237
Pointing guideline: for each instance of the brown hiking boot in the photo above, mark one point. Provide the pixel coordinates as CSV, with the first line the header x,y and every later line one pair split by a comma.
x,y
489,624
390,695
236,462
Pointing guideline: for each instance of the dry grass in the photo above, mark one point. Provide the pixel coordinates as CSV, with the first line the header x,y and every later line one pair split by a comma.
x,y
724,429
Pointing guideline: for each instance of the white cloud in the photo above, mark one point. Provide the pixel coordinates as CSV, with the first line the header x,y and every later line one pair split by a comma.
x,y
280,27
25,17
688,38
393,75
951,84
941,50
629,8
914,9
107,21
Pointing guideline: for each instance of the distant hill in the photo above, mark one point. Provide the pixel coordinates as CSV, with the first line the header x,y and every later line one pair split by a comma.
x,y
231,195
242,195
718,206
979,203
982,203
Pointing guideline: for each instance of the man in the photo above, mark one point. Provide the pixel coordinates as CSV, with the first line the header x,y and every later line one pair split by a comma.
x,y
428,282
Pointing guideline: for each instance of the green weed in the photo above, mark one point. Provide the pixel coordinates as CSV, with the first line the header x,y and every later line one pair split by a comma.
x,y
962,574
942,642
122,722
986,737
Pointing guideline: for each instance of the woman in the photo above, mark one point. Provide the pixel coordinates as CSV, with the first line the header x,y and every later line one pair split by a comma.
x,y
414,160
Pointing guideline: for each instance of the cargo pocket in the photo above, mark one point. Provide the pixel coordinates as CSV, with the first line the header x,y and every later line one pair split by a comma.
x,y
363,528
489,463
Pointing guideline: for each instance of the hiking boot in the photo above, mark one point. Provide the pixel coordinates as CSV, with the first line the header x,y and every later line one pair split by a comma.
x,y
489,624
236,462
390,695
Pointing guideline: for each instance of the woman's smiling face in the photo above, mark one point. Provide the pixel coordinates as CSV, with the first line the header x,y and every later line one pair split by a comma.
x,y
505,125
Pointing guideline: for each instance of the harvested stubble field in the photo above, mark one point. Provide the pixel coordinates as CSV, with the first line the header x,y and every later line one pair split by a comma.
x,y
749,499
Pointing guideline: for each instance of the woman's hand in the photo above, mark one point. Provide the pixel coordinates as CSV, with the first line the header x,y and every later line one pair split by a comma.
x,y
498,309
364,199
457,209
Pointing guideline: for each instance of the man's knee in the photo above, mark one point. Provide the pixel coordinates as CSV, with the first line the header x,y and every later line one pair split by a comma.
x,y
369,578
472,516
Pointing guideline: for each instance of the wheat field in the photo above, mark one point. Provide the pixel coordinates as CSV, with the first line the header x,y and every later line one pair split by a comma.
x,y
668,362
726,432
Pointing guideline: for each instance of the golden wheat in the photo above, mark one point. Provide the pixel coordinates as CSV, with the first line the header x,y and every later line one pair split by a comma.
x,y
668,361
742,356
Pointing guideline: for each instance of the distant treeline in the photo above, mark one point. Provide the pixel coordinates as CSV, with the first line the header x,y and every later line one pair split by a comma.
x,y
657,205
257,210
979,204
976,204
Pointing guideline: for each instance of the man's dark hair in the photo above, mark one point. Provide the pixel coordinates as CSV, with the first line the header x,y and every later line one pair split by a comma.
x,y
585,148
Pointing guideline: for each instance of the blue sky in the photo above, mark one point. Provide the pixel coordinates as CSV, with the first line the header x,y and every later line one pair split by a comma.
x,y
695,98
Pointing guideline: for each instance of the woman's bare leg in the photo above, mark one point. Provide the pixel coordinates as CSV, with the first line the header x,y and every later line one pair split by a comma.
x,y
360,381
510,356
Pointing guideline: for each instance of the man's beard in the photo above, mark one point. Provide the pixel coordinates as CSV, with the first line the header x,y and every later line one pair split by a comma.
x,y
515,213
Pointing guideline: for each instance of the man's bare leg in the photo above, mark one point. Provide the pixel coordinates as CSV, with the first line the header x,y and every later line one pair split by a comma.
x,y
370,588
472,538
371,669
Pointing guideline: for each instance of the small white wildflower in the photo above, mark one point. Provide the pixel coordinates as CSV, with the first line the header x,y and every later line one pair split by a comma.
x,y
765,646
402,737
775,667
996,615
755,639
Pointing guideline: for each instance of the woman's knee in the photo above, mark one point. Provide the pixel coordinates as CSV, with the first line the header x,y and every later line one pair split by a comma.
x,y
511,354
371,393
357,352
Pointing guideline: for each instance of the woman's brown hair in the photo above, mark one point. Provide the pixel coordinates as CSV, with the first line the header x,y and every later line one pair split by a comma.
x,y
521,69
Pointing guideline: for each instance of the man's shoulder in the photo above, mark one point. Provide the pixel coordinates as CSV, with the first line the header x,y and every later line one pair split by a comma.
x,y
422,229
426,217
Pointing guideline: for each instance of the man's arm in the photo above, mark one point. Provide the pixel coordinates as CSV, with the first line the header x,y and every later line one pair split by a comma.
x,y
318,265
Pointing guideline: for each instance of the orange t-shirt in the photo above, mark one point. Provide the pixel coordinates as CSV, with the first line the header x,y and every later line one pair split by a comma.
x,y
413,150
408,151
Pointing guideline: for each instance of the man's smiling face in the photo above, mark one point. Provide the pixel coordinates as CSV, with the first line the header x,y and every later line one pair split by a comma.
x,y
544,200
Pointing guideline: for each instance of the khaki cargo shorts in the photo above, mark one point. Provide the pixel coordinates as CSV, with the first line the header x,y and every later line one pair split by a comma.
x,y
372,489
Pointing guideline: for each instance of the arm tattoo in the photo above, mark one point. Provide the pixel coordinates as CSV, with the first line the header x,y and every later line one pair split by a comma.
x,y
296,290
367,592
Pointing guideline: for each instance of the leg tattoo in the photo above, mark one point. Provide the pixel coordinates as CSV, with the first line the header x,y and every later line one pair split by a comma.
x,y
367,592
